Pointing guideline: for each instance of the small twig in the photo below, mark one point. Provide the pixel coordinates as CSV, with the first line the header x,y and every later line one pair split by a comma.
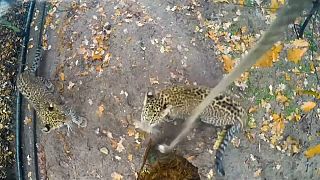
x,y
316,5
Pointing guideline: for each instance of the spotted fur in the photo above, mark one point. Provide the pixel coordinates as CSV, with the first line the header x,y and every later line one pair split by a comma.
x,y
40,94
178,102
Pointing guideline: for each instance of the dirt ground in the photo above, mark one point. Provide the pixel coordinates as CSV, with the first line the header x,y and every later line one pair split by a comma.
x,y
145,43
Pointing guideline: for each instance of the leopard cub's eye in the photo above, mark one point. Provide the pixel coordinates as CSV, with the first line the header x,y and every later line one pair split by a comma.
x,y
50,108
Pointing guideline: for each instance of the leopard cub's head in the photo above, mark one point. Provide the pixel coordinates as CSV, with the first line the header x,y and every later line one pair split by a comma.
x,y
52,118
151,110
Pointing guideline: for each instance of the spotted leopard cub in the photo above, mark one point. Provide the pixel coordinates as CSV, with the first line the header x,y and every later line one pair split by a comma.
x,y
40,94
178,102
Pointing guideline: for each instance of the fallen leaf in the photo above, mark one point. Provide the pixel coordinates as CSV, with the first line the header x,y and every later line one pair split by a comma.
x,y
281,98
130,157
131,131
116,176
257,173
299,47
312,151
228,63
104,150
154,81
190,158
253,109
275,4
61,76
308,106
100,110
97,57
27,121
309,92
120,146
270,56
295,54
212,35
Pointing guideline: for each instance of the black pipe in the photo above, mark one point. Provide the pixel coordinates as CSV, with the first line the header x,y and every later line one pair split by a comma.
x,y
22,61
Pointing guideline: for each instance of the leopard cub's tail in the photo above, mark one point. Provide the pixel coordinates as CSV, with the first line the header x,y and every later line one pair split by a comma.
x,y
230,134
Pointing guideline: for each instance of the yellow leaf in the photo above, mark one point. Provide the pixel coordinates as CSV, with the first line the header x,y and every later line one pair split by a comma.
x,y
228,63
270,56
131,131
308,106
287,77
116,176
308,92
275,5
300,43
295,54
252,109
212,35
265,128
97,57
281,98
312,151
100,110
275,117
299,47
61,76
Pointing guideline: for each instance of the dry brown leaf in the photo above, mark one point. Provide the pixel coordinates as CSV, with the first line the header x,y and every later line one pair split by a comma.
x,y
312,151
253,109
228,63
100,110
308,106
287,77
120,146
97,57
257,173
61,76
131,131
270,56
116,176
212,35
130,157
278,124
27,121
154,80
